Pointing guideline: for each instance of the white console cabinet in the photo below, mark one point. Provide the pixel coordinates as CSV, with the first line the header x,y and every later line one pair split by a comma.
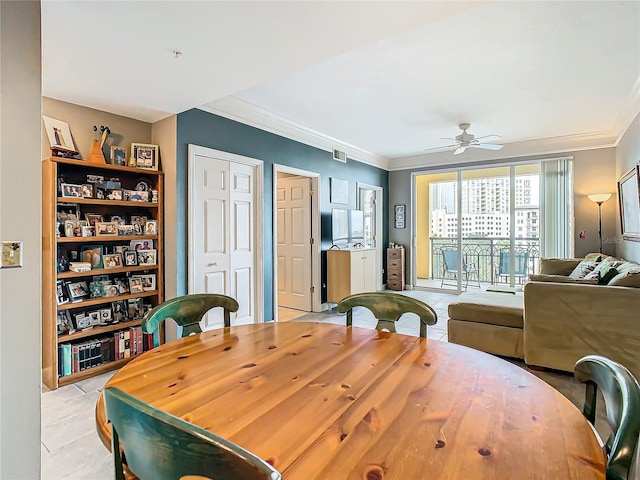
x,y
350,271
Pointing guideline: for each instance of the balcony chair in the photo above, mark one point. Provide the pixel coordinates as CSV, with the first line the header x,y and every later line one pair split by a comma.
x,y
450,267
188,311
621,394
388,307
155,445
521,267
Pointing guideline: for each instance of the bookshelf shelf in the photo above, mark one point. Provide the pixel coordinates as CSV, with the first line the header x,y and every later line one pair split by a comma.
x,y
58,250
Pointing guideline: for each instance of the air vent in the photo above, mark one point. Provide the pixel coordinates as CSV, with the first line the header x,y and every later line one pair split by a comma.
x,y
339,156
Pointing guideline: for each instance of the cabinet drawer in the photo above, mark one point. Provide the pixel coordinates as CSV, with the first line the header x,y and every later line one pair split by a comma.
x,y
394,284
394,253
394,264
394,274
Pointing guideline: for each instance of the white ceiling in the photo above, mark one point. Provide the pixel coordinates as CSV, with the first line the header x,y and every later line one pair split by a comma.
x,y
380,80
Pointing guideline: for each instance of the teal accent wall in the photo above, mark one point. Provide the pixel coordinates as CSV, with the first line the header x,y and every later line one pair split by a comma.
x,y
198,127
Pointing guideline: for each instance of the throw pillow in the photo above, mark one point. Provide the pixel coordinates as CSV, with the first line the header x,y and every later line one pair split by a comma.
x,y
582,269
628,276
593,257
607,275
603,272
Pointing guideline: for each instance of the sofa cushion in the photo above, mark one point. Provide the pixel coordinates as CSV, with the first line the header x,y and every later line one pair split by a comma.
x,y
558,266
491,308
593,257
561,279
628,275
605,270
583,268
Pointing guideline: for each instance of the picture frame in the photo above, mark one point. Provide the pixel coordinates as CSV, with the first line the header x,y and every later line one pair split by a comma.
x,y
94,318
151,227
339,190
78,291
62,295
130,258
399,216
73,228
144,155
123,284
88,231
59,134
125,230
92,218
92,254
115,194
119,156
105,316
82,321
138,196
111,290
112,260
87,190
629,198
135,285
120,313
71,190
147,257
64,323
106,229
62,259
97,289
148,282
120,220
141,244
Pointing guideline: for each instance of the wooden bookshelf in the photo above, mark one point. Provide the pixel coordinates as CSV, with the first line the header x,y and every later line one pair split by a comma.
x,y
60,170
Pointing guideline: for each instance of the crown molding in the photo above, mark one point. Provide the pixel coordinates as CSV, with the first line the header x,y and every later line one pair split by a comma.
x,y
629,112
241,111
538,147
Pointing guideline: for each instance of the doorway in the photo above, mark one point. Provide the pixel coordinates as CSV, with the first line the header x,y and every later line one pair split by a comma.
x,y
370,201
296,248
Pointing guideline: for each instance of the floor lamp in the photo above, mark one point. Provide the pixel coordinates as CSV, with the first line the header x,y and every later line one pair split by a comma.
x,y
599,198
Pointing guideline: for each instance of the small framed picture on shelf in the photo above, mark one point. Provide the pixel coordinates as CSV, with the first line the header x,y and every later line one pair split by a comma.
x,y
119,156
92,218
125,230
100,193
141,244
82,321
87,190
94,317
78,291
123,285
138,196
135,285
115,194
111,291
62,296
70,190
97,289
119,219
106,228
151,227
64,322
148,282
120,313
147,257
130,258
74,228
112,260
92,254
62,259
88,231
144,156
105,316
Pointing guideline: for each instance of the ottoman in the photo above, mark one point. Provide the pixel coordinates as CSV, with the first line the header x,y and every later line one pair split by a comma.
x,y
488,321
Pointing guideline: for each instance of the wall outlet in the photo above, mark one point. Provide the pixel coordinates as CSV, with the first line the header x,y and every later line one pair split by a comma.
x,y
11,255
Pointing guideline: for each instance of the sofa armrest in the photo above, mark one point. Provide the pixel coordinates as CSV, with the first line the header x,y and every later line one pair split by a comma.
x,y
558,266
564,322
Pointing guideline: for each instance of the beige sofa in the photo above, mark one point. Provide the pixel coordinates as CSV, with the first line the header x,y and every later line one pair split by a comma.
x,y
554,323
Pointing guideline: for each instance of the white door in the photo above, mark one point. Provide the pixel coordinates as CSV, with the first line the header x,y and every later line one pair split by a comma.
x,y
370,201
294,243
222,254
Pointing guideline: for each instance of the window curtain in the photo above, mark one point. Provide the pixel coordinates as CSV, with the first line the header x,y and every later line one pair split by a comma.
x,y
556,208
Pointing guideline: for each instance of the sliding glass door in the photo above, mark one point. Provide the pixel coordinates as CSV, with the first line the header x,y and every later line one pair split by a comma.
x,y
478,228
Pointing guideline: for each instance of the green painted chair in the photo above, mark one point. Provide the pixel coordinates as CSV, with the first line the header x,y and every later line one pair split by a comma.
x,y
188,311
155,445
621,394
388,307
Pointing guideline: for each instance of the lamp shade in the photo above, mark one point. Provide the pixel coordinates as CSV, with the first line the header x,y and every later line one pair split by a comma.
x,y
599,197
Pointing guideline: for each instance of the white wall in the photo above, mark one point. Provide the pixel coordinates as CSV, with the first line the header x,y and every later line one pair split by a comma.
x,y
628,155
20,213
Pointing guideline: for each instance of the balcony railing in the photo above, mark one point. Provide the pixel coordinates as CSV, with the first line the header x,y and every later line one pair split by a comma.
x,y
484,254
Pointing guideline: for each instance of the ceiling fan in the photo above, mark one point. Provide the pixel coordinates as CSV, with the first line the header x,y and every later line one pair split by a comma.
x,y
466,140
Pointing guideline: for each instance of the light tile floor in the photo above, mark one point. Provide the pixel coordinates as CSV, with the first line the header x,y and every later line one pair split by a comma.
x,y
71,448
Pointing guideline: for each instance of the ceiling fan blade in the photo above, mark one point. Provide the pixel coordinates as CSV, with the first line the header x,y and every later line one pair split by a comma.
x,y
487,146
488,138
447,138
459,150
440,148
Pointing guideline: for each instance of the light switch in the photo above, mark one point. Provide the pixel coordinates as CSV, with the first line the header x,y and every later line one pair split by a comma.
x,y
11,254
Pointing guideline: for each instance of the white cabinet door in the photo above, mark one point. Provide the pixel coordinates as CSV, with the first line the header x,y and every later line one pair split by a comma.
x,y
369,270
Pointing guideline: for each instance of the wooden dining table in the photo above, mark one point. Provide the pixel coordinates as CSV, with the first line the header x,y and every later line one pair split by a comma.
x,y
324,401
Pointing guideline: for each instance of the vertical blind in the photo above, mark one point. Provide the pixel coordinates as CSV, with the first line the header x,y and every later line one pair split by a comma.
x,y
556,208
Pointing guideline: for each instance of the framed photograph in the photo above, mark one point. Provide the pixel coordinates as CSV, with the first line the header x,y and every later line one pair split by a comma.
x,y
629,197
70,190
148,282
146,257
100,193
92,254
123,285
64,322
130,258
59,134
88,231
120,313
119,156
62,259
398,216
74,228
125,229
144,156
106,228
97,289
141,244
92,218
118,219
78,291
82,321
62,296
94,317
151,227
111,291
138,196
135,285
87,190
112,260
105,316
115,194
339,191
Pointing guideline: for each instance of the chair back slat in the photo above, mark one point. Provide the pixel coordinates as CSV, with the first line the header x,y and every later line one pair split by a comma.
x,y
388,307
160,446
621,394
